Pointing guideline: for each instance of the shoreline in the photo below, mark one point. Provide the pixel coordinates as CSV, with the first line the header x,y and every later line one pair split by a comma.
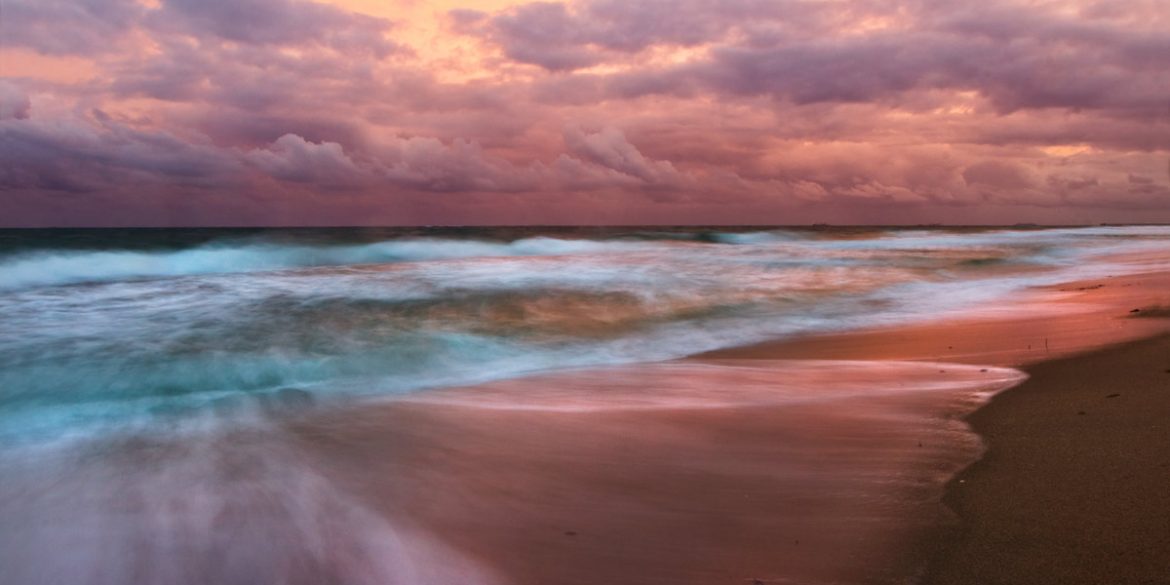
x,y
573,485
1048,323
585,483
863,457
1071,487
1068,489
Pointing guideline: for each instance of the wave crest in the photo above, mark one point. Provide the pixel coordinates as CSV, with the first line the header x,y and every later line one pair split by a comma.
x,y
56,267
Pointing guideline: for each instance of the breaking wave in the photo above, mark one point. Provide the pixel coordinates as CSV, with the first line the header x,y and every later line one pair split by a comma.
x,y
158,334
57,267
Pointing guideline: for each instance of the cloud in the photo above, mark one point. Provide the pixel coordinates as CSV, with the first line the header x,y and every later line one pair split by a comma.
x,y
655,109
1019,56
276,22
94,152
292,158
419,163
68,27
86,27
998,175
609,148
563,37
1035,70
428,164
14,102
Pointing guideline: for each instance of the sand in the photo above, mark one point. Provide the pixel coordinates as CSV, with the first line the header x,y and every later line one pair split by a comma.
x,y
1044,324
1075,485
697,494
697,486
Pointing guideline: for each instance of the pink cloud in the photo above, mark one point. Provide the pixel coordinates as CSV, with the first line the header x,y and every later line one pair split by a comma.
x,y
592,110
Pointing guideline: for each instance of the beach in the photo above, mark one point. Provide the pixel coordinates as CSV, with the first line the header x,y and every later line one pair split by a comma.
x,y
570,490
776,407
683,491
584,292
1072,488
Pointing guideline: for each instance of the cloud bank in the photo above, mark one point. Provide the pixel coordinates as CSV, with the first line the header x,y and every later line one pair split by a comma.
x,y
116,112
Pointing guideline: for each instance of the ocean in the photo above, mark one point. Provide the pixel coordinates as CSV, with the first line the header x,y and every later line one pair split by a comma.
x,y
186,336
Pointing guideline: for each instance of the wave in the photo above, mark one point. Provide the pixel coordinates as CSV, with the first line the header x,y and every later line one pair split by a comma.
x,y
152,348
750,238
53,266
56,267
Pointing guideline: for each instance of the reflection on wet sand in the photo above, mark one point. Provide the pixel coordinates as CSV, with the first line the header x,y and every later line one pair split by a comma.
x,y
799,471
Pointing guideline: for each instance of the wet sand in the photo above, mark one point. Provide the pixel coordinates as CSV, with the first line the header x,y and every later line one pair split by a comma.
x,y
1044,324
695,486
759,492
1073,486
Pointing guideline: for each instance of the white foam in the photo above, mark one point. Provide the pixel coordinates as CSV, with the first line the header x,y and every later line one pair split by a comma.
x,y
46,268
723,384
235,508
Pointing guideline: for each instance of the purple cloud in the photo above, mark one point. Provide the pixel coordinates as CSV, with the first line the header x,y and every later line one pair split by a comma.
x,y
95,152
292,158
609,148
276,22
68,27
14,102
688,105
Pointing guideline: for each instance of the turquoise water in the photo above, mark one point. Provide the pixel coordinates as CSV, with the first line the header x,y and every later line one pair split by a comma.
x,y
104,331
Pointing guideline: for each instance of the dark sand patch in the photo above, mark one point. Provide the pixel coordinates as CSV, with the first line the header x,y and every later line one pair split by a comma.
x,y
1075,485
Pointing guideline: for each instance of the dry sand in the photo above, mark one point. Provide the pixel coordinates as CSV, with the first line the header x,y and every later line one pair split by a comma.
x,y
1075,485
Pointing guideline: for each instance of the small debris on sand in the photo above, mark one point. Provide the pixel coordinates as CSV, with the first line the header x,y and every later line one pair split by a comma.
x,y
1151,311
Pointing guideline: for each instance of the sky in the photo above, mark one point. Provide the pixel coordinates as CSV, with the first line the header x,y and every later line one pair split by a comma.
x,y
405,112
